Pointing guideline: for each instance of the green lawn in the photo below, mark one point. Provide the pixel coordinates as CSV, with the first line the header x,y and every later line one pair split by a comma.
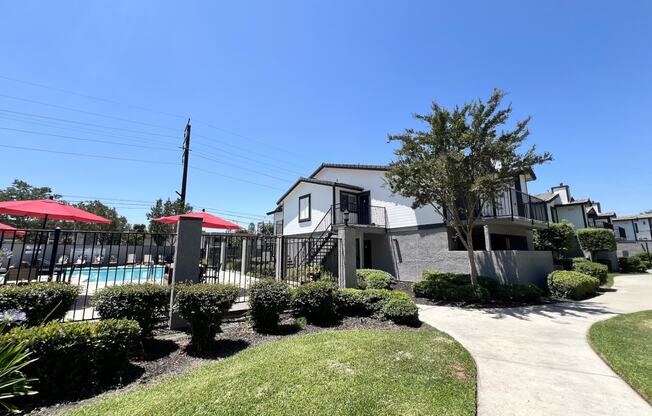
x,y
625,343
356,372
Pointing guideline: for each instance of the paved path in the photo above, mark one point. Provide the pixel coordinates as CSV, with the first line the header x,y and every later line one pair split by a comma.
x,y
536,360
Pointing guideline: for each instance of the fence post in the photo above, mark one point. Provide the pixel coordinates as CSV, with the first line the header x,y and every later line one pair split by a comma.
x,y
223,243
187,255
53,255
243,257
278,256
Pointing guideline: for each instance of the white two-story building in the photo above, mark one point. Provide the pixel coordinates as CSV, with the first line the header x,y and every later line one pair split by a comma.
x,y
379,229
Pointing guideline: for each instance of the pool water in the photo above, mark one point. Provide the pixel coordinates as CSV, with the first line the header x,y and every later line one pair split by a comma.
x,y
120,274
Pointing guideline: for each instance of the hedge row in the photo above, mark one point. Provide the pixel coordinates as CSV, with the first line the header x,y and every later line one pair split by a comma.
x,y
374,279
572,285
41,302
456,287
74,358
596,270
633,264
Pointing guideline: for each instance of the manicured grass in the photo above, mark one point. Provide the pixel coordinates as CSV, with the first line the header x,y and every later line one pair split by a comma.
x,y
625,343
355,372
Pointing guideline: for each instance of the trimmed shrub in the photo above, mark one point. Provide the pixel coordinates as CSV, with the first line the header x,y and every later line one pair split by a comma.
x,y
631,265
592,269
519,293
645,258
315,301
73,358
572,285
596,239
145,303
456,287
41,302
400,309
204,306
557,238
267,300
351,302
374,279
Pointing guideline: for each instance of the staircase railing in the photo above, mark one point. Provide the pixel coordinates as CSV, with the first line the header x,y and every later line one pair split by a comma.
x,y
319,234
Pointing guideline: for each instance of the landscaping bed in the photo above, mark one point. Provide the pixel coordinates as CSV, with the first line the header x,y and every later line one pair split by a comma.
x,y
166,354
371,372
625,343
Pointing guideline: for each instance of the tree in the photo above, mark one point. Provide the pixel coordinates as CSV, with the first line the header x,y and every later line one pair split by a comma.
x,y
118,222
251,229
265,228
558,237
20,191
164,209
596,239
460,163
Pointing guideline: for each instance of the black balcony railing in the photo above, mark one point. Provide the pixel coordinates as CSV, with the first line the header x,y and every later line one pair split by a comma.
x,y
371,215
516,205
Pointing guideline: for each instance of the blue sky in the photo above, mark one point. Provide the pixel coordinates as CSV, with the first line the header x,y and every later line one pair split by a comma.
x,y
274,88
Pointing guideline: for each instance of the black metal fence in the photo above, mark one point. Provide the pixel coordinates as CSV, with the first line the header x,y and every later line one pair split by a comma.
x,y
360,215
88,259
242,260
516,205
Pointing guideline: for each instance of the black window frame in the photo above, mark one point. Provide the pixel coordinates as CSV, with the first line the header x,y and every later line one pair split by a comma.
x,y
348,194
309,208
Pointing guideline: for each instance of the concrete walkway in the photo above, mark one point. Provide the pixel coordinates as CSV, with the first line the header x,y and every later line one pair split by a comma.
x,y
536,360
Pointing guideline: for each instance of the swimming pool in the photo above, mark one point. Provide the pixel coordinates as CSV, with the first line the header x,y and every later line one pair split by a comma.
x,y
119,274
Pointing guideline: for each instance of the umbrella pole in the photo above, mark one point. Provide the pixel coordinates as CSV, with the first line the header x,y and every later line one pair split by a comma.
x,y
45,220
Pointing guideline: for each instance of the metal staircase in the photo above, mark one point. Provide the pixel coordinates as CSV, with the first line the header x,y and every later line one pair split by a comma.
x,y
317,246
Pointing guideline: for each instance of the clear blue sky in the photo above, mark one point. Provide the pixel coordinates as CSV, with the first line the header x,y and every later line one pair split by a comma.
x,y
282,86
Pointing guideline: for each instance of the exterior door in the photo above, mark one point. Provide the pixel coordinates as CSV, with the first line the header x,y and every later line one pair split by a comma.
x,y
364,208
367,254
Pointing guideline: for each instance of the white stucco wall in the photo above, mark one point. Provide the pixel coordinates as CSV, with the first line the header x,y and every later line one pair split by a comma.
x,y
627,225
573,214
320,201
399,209
643,226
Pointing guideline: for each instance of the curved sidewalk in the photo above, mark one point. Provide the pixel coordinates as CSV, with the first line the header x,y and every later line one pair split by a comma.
x,y
536,360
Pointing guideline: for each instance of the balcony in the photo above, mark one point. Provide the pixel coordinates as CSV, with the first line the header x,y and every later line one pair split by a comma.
x,y
370,215
517,205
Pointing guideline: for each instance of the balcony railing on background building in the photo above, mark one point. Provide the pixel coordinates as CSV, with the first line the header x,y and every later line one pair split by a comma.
x,y
372,215
516,205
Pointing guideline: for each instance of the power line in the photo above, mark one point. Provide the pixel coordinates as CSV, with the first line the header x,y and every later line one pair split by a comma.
x,y
241,167
61,107
234,178
158,162
84,139
88,124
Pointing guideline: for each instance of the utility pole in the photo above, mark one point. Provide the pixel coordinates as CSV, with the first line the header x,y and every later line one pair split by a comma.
x,y
186,153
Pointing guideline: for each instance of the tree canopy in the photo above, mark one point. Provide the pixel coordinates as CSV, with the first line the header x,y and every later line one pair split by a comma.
x,y
461,162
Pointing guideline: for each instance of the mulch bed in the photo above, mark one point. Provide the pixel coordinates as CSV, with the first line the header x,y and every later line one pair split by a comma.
x,y
166,355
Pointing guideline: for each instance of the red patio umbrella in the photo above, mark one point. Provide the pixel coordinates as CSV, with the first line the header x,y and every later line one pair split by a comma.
x,y
49,209
9,230
209,220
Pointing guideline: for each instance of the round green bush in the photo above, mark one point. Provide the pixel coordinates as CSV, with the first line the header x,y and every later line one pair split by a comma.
x,y
41,302
597,270
267,300
645,258
351,302
400,309
315,301
518,293
572,285
73,358
468,294
374,279
632,264
145,303
204,306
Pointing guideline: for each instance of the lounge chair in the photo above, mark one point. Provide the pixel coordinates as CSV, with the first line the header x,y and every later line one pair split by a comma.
x,y
147,258
21,275
131,258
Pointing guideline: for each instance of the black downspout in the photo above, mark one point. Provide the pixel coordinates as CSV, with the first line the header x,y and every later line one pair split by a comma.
x,y
334,218
634,229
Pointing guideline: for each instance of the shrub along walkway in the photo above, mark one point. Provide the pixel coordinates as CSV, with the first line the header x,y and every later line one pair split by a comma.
x,y
536,360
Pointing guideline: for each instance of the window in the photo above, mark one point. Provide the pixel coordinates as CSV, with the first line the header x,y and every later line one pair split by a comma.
x,y
304,208
348,201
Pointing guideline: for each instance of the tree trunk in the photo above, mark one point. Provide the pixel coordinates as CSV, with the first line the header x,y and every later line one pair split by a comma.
x,y
472,265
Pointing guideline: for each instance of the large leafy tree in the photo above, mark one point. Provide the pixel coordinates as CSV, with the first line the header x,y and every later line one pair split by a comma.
x,y
461,162
164,209
558,237
20,191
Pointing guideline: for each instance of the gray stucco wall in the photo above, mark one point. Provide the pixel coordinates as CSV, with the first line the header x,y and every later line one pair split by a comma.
x,y
628,248
428,249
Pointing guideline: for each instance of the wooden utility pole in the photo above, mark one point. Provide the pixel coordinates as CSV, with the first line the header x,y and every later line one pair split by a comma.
x,y
186,153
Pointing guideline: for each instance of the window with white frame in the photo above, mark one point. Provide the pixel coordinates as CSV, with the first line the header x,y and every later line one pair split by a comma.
x,y
304,208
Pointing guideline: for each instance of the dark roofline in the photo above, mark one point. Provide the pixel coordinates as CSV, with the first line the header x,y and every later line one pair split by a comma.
x,y
633,217
275,210
577,202
348,166
548,199
318,182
